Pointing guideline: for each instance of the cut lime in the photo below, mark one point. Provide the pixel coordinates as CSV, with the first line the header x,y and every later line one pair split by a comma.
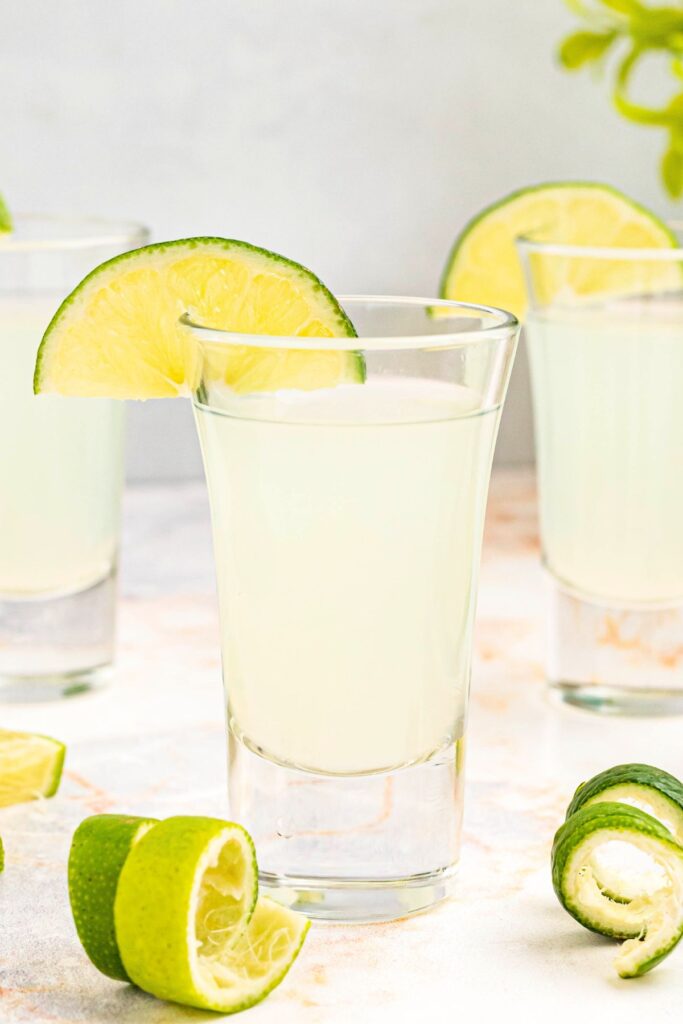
x,y
484,267
187,922
651,919
5,217
117,334
30,766
99,849
652,790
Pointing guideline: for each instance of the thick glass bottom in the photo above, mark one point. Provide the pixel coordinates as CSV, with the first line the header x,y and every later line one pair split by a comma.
x,y
57,646
356,848
615,660
361,901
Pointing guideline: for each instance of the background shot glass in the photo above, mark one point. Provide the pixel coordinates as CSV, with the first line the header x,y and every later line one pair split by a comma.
x,y
347,527
605,340
61,466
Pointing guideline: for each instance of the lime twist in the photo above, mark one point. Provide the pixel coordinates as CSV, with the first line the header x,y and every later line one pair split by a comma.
x,y
173,907
617,869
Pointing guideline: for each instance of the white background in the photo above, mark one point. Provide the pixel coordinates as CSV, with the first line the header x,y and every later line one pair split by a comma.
x,y
356,136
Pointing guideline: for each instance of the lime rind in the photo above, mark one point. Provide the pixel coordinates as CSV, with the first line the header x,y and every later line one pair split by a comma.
x,y
99,849
31,766
651,789
168,944
652,921
184,375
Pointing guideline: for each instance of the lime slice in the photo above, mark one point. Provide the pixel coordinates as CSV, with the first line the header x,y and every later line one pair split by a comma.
x,y
484,267
651,919
652,790
30,766
118,335
99,849
187,922
5,217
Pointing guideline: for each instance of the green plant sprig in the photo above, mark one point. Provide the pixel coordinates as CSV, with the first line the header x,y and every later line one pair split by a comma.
x,y
632,30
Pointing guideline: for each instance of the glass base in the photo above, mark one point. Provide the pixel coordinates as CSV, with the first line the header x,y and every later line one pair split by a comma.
x,y
57,646
358,848
360,901
615,660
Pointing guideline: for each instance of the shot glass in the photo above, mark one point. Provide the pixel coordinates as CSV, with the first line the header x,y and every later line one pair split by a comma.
x,y
605,340
61,464
347,525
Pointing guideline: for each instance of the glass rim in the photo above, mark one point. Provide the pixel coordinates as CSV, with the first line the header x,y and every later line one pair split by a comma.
x,y
674,253
82,232
505,325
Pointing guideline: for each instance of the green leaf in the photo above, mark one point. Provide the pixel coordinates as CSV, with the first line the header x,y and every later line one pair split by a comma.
x,y
583,47
626,7
672,170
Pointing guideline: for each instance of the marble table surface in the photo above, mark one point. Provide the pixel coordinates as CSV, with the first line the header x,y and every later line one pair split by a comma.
x,y
153,743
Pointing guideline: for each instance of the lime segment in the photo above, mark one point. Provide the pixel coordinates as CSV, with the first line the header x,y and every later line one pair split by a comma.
x,y
30,766
99,849
650,919
484,267
118,333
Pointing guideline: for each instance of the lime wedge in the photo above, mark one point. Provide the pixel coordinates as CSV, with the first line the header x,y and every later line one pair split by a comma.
x,y
651,917
99,849
187,922
118,335
484,267
5,217
30,766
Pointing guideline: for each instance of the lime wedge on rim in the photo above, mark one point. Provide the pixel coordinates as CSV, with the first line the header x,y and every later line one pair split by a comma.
x,y
188,925
5,217
117,334
30,766
99,849
484,266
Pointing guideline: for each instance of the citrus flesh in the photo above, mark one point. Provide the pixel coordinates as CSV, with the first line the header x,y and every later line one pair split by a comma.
x,y
118,333
30,766
484,266
188,924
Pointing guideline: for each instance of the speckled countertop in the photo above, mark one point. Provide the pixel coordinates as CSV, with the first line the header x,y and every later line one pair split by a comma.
x,y
153,743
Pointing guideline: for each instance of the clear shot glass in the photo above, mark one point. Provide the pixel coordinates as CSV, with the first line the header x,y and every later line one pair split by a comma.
x,y
605,339
61,465
347,525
